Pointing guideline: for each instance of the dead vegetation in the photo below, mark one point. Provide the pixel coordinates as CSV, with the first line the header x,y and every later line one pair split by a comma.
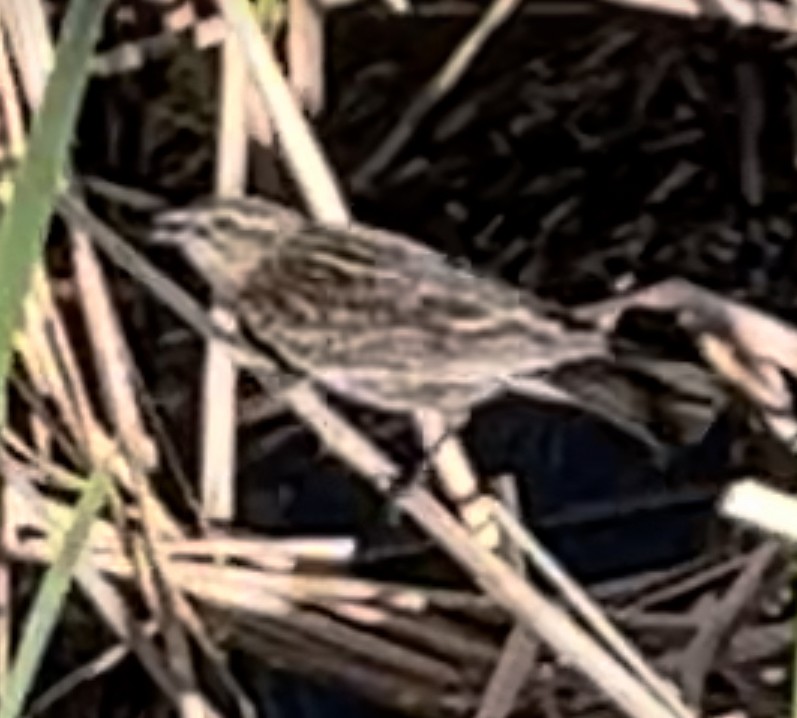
x,y
606,159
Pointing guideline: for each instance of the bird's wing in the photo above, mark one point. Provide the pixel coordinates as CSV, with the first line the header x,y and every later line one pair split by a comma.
x,y
351,283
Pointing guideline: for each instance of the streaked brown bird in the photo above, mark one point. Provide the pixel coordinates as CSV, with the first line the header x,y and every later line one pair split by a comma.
x,y
373,315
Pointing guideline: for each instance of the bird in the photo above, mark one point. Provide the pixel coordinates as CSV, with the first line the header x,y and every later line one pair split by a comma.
x,y
380,319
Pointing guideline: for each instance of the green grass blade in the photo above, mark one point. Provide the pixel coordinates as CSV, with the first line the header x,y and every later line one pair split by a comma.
x,y
46,608
793,570
36,182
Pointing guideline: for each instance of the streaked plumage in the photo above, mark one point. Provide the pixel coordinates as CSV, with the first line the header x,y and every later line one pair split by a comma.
x,y
373,314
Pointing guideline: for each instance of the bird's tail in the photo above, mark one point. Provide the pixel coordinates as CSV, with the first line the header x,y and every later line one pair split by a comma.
x,y
657,402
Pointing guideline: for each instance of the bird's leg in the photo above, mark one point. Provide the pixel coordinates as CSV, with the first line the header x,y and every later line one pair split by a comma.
x,y
465,495
418,474
457,479
275,383
402,485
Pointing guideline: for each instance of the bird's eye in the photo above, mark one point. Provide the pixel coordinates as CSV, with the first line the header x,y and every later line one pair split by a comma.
x,y
225,224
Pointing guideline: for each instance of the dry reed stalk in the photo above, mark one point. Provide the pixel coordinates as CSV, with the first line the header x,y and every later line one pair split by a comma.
x,y
180,16
444,639
29,40
520,651
220,378
113,362
512,672
457,477
764,13
753,503
279,554
715,630
306,53
302,151
435,90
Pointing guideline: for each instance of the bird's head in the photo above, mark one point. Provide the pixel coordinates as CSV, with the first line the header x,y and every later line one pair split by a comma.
x,y
225,239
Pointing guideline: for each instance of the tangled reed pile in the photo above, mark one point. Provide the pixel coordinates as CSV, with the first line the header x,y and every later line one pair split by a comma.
x,y
588,151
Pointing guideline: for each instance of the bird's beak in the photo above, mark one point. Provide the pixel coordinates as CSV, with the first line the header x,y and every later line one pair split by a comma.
x,y
172,229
